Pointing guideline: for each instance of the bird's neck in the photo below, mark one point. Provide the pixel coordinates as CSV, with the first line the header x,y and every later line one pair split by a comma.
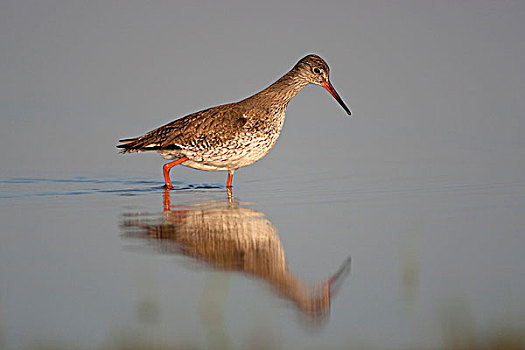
x,y
282,91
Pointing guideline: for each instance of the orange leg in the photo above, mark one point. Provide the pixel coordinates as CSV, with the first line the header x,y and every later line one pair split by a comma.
x,y
230,179
166,170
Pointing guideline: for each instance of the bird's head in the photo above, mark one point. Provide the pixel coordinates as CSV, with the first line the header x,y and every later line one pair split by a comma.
x,y
314,70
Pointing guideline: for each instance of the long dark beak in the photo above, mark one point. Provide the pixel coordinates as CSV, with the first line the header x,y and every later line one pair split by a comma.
x,y
328,86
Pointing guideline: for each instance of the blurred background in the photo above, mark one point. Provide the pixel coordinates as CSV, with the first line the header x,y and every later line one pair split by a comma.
x,y
424,186
424,79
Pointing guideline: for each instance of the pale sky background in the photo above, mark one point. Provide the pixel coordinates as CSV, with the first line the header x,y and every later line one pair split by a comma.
x,y
432,80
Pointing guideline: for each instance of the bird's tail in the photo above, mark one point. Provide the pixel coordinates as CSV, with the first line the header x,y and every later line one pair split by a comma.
x,y
144,143
131,145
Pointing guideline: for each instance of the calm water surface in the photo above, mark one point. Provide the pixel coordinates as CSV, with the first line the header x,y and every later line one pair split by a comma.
x,y
96,261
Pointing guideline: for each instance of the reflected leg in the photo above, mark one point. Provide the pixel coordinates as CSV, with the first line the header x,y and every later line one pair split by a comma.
x,y
230,195
166,201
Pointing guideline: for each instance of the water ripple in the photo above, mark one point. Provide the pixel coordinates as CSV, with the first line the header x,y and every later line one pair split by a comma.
x,y
30,187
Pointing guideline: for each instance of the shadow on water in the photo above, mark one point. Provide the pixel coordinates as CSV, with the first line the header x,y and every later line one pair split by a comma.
x,y
228,236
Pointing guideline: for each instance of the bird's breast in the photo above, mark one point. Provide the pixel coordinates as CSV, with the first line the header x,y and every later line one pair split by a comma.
x,y
250,142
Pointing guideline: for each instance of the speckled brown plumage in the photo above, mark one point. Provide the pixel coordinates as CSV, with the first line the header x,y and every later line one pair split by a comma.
x,y
234,135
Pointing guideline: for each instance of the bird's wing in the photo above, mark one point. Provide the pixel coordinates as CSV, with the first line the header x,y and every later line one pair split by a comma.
x,y
204,129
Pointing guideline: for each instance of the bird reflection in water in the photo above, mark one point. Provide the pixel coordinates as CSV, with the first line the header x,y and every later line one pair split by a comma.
x,y
230,237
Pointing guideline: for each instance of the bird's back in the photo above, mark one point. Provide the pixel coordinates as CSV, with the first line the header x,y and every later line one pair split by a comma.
x,y
222,137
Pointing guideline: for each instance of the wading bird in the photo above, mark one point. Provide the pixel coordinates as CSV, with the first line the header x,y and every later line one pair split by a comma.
x,y
234,135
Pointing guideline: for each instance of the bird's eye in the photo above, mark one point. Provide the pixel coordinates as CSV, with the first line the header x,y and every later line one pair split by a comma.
x,y
317,70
